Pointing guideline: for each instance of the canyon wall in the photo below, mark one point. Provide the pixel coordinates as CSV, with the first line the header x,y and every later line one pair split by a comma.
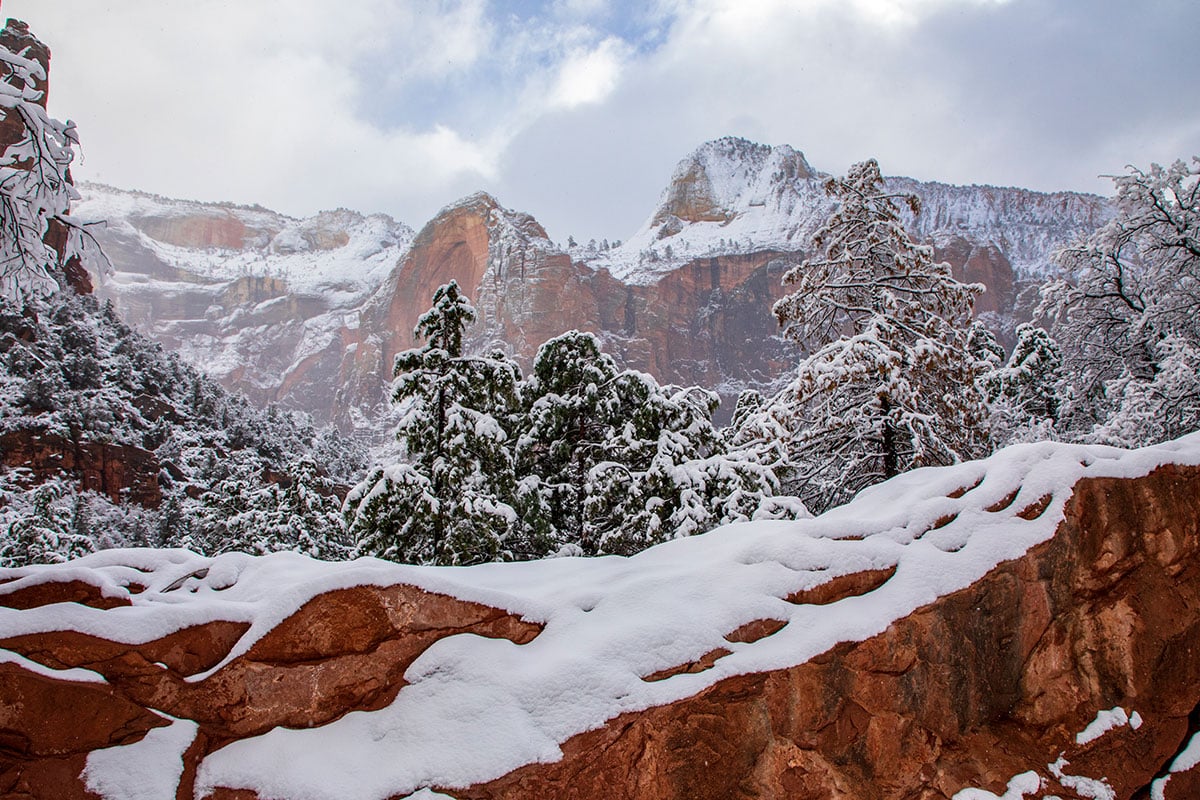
x,y
311,313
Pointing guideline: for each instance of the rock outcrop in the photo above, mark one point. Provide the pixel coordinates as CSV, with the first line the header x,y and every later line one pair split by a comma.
x,y
1066,670
122,473
986,684
265,303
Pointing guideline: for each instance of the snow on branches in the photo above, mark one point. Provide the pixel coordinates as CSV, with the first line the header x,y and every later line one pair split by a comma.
x,y
888,383
1129,307
35,185
579,458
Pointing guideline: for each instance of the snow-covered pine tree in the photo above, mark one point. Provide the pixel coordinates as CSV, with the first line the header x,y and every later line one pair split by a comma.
x,y
304,515
1023,395
614,462
1129,312
451,503
42,526
568,408
888,384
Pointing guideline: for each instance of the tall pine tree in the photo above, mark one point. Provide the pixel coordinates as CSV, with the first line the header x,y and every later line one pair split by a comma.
x,y
450,502
888,384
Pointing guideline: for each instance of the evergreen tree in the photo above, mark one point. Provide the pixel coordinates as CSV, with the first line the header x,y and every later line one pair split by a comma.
x,y
45,526
615,463
888,384
458,484
569,407
305,515
1024,393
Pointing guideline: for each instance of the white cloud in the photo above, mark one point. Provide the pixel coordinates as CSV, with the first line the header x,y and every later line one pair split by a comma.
x,y
589,76
403,105
259,101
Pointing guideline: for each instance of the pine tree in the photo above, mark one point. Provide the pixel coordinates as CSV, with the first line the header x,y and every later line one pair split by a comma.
x,y
888,384
459,480
48,527
1023,395
614,463
304,516
569,405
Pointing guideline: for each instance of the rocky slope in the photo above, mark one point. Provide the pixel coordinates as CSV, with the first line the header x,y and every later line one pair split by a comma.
x,y
284,309
264,303
1022,626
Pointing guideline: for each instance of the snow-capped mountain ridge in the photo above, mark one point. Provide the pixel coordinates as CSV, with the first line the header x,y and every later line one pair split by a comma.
x,y
341,249
261,301
732,195
312,312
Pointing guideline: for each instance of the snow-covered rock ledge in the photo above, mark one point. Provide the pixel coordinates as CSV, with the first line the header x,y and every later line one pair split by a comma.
x,y
954,632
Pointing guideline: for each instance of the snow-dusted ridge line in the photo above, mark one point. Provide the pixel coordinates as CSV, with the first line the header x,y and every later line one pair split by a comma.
x,y
99,187
609,622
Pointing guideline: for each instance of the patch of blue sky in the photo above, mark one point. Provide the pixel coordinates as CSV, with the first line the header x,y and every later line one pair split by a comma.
x,y
528,38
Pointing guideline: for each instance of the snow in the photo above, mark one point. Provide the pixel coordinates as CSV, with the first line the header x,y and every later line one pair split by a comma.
x,y
1106,721
1190,756
307,253
1084,787
608,623
1018,787
72,674
1188,759
769,198
148,769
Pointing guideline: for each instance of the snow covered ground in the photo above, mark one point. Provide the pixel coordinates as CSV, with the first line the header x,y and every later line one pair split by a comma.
x,y
476,708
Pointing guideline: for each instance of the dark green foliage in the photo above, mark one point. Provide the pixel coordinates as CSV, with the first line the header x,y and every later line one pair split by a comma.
x,y
450,504
581,457
70,368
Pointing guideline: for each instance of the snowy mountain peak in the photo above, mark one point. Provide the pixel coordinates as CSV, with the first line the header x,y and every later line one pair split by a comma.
x,y
728,176
501,222
733,196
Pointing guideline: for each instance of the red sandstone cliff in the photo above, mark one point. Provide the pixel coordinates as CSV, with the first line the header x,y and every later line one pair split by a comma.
x,y
996,683
687,298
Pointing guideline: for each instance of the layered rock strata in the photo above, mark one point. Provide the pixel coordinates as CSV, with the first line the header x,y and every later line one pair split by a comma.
x,y
249,295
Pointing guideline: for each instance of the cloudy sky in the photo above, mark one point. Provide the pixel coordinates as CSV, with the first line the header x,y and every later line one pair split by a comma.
x,y
578,110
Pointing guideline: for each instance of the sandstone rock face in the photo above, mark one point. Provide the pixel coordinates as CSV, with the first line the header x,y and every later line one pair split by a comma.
x,y
265,303
251,296
984,685
691,320
701,324
985,264
343,651
121,472
991,686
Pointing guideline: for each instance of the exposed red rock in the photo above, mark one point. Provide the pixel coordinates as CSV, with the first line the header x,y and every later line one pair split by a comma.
x,y
122,472
707,322
971,690
985,264
48,592
980,686
345,650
